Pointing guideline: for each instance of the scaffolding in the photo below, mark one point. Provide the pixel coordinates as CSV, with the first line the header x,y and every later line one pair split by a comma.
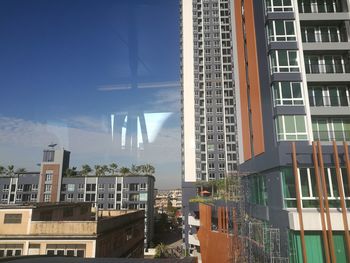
x,y
254,241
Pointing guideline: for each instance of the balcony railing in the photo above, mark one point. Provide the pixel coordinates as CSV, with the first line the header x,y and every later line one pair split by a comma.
x,y
332,135
284,8
328,101
323,8
324,38
327,68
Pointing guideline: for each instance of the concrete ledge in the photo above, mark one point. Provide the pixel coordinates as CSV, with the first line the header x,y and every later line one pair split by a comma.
x,y
337,111
331,77
312,220
324,16
318,46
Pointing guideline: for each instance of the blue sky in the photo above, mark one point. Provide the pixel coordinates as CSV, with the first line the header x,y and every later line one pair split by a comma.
x,y
67,66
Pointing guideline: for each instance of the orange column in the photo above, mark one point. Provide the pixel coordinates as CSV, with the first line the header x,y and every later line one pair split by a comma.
x,y
320,199
298,196
254,80
325,193
242,81
347,162
342,199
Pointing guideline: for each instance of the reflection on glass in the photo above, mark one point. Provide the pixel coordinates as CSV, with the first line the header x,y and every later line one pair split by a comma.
x,y
103,83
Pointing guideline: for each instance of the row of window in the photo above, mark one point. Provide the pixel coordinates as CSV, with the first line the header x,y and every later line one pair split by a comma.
x,y
334,96
319,6
5,198
291,127
308,187
326,34
70,252
304,6
284,30
20,187
327,64
327,129
290,93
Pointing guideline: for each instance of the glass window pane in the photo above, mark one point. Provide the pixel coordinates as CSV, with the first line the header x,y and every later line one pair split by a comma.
x,y
279,124
282,58
288,183
300,124
318,96
289,123
279,27
338,129
333,178
296,90
342,96
304,182
333,96
290,28
345,182
286,90
293,58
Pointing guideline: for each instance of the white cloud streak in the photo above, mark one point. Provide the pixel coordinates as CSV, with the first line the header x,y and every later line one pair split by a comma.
x,y
18,137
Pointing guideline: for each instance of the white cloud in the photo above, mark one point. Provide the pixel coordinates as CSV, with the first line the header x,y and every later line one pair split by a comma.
x,y
21,143
167,99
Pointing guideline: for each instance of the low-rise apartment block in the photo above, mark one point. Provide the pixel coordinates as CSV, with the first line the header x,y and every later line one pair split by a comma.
x,y
110,192
69,229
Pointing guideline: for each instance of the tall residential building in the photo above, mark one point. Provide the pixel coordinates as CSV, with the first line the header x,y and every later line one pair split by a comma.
x,y
292,79
209,149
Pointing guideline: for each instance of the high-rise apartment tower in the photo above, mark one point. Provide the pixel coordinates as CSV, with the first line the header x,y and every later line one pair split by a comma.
x,y
209,149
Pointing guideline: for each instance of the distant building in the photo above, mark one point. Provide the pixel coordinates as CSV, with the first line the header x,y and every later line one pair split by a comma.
x,y
112,192
164,198
68,229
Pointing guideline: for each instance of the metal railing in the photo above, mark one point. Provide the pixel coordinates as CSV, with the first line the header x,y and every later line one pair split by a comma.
x,y
327,68
324,37
315,8
332,135
328,101
271,9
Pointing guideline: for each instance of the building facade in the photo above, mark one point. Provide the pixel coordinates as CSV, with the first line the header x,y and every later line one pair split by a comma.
x,y
69,230
209,148
105,192
292,81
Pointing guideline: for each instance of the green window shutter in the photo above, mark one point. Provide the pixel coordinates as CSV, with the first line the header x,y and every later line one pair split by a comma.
x,y
339,247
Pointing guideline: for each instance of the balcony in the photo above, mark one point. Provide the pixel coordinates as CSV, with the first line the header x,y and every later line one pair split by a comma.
x,y
284,11
328,72
329,105
324,40
316,11
330,135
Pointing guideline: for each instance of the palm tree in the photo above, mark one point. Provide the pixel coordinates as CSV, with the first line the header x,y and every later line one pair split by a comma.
x,y
104,170
97,170
147,169
85,169
71,172
113,168
135,169
161,251
2,170
21,170
124,170
10,170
